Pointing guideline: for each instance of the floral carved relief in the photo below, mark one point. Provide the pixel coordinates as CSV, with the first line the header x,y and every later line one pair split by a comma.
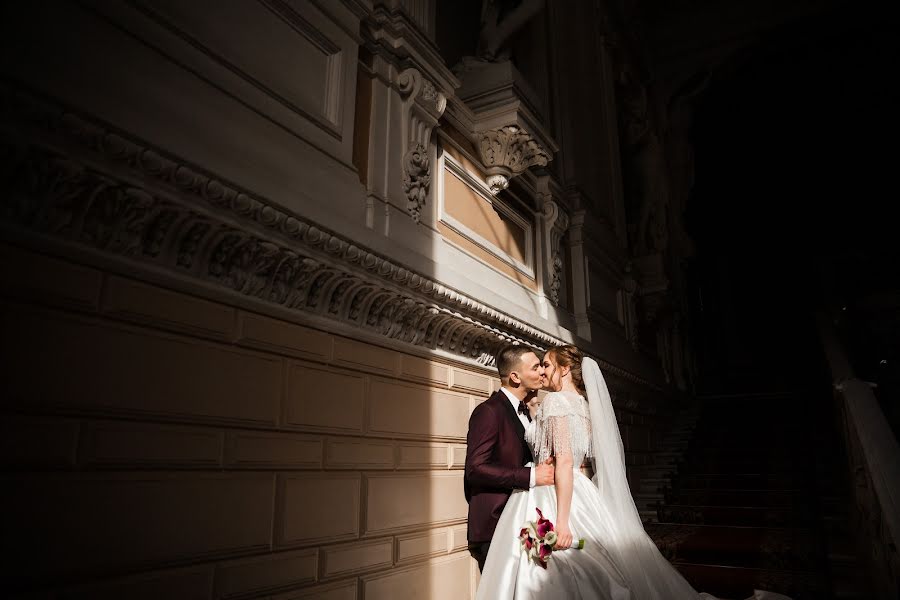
x,y
416,180
127,200
423,105
556,222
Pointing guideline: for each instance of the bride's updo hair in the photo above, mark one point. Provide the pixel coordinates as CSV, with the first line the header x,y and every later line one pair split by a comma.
x,y
570,356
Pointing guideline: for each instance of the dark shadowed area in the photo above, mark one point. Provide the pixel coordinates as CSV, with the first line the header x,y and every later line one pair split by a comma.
x,y
791,209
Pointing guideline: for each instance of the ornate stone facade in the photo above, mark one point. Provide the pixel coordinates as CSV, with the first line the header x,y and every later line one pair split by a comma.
x,y
215,296
187,221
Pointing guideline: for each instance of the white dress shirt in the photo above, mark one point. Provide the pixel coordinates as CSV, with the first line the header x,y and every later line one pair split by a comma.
x,y
525,422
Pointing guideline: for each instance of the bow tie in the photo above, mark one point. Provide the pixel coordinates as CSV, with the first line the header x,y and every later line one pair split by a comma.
x,y
523,410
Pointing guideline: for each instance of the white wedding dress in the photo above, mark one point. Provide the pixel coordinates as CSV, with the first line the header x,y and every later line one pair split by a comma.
x,y
619,560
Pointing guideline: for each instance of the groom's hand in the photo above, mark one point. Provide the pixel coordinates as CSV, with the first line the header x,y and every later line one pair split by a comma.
x,y
544,473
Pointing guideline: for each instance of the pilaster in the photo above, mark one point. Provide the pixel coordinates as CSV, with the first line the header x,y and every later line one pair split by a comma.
x,y
579,274
410,89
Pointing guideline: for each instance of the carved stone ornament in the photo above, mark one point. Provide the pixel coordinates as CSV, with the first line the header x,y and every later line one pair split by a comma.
x,y
556,222
555,279
139,205
507,152
423,105
416,180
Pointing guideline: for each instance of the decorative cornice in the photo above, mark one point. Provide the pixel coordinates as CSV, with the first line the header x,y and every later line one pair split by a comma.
x,y
394,35
130,200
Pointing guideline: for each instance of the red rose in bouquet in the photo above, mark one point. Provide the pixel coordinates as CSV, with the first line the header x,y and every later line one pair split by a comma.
x,y
538,539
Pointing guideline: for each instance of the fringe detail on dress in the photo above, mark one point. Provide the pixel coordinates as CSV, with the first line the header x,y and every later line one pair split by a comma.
x,y
562,426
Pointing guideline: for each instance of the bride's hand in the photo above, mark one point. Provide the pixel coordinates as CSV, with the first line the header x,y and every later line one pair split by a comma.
x,y
563,537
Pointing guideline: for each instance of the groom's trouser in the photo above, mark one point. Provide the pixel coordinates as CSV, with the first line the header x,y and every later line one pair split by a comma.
x,y
479,551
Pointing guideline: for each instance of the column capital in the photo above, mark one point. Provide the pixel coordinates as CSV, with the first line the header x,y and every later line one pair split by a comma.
x,y
506,152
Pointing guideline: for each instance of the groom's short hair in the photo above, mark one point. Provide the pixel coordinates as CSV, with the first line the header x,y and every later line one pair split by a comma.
x,y
509,357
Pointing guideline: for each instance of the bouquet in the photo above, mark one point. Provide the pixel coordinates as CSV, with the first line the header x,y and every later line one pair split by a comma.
x,y
538,540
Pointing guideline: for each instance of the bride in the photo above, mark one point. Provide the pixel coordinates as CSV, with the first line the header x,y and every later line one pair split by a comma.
x,y
619,561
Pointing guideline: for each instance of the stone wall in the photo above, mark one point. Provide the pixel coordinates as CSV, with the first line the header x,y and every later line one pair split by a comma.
x,y
161,444
167,429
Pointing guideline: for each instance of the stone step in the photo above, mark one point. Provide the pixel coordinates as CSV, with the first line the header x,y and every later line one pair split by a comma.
x,y
736,481
739,582
648,500
675,442
849,581
686,431
654,484
666,457
734,447
748,516
755,547
849,591
754,433
669,449
648,516
748,504
756,465
740,497
835,505
664,472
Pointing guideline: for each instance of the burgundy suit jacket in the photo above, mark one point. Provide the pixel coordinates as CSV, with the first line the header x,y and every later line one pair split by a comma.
x,y
495,459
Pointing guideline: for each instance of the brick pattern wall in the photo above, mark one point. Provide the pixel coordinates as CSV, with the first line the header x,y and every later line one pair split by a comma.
x,y
165,445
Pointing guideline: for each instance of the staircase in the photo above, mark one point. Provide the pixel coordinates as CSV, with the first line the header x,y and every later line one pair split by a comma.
x,y
657,477
748,494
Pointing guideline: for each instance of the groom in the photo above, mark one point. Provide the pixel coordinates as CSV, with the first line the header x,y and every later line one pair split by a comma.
x,y
497,451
